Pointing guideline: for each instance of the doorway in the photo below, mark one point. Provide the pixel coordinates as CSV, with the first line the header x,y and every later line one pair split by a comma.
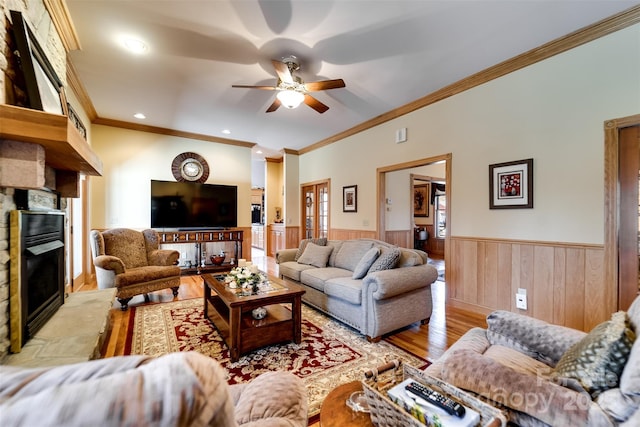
x,y
622,201
383,198
315,209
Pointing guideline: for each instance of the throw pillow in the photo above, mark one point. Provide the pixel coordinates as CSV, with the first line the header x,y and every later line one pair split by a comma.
x,y
315,255
387,260
597,361
365,263
322,241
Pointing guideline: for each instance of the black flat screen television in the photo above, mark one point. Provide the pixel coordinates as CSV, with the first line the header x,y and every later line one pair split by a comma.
x,y
190,205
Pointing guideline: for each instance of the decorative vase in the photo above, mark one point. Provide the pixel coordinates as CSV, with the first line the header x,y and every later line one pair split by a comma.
x,y
259,313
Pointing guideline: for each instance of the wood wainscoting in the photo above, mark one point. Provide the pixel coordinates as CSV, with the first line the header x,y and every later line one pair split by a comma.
x,y
564,282
401,238
342,234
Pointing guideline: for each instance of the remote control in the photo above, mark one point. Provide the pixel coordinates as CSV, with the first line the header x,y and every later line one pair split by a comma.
x,y
449,405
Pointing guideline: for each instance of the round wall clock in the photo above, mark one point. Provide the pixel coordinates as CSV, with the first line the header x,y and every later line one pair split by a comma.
x,y
190,167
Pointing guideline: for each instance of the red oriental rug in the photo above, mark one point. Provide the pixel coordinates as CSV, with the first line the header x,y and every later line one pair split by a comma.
x,y
330,353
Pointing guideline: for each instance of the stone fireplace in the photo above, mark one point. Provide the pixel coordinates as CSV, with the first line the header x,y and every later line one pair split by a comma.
x,y
41,154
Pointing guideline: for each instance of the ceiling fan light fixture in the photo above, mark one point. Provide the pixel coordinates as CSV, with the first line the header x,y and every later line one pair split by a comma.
x,y
290,98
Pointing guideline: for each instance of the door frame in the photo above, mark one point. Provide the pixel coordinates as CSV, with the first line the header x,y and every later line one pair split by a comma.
x,y
381,193
325,182
625,291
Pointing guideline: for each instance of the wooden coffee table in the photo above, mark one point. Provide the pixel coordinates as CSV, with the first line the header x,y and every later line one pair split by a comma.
x,y
230,312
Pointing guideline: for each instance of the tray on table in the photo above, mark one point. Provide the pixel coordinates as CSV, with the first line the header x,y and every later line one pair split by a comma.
x,y
386,413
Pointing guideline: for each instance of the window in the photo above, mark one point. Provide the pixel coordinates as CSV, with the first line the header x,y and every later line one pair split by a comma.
x,y
441,216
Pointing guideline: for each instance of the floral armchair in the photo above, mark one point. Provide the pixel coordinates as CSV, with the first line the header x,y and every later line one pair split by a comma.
x,y
132,262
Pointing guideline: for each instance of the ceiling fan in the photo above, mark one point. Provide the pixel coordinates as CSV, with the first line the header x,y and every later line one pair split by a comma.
x,y
292,91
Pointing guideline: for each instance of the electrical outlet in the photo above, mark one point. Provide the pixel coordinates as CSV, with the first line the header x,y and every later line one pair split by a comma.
x,y
521,299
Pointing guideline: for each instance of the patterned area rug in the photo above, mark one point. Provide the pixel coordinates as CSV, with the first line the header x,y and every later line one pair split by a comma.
x,y
330,353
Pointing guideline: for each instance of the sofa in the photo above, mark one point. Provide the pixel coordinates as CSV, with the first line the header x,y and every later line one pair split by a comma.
x,y
178,389
368,284
544,374
131,261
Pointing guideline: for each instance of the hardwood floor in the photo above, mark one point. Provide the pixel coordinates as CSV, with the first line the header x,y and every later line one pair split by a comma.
x,y
427,341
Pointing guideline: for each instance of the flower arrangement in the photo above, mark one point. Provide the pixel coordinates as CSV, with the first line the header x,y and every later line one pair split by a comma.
x,y
247,277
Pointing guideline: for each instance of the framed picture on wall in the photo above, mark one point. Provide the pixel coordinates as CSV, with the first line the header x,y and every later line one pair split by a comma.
x,y
421,200
350,198
43,87
511,185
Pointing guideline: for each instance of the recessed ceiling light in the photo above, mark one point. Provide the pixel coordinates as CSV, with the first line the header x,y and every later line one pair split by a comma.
x,y
259,152
135,45
139,116
226,131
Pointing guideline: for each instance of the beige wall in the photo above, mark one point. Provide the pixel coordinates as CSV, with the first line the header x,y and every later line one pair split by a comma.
x,y
273,192
121,197
552,111
398,189
291,169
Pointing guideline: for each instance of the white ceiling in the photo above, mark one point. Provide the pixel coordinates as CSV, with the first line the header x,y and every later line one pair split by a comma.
x,y
389,53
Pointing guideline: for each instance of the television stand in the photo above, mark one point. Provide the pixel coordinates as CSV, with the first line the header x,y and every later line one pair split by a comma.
x,y
198,237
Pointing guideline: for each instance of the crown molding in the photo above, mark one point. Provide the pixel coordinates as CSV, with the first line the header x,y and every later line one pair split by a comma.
x,y
584,35
170,132
76,86
290,151
64,25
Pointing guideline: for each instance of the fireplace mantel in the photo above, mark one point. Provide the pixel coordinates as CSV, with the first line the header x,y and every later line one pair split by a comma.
x,y
64,146
63,150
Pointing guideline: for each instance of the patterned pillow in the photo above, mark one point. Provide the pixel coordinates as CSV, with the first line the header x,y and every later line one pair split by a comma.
x,y
321,241
387,260
597,361
365,263
315,255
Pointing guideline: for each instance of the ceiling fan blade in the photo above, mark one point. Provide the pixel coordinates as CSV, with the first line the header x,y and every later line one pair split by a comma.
x,y
315,104
324,85
273,107
255,87
283,71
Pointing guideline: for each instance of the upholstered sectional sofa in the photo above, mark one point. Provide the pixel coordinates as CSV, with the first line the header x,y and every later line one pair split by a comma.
x,y
177,389
544,374
370,285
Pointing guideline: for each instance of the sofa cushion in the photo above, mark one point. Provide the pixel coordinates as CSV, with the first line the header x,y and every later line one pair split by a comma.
x,y
387,260
618,405
351,252
544,400
322,241
316,277
409,258
365,263
128,245
517,361
630,379
536,338
345,288
621,403
292,269
336,245
315,255
597,361
134,276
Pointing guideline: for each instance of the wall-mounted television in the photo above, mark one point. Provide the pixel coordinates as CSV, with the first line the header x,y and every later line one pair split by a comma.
x,y
191,205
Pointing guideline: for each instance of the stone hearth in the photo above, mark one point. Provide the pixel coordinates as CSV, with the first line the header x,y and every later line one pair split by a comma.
x,y
74,334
